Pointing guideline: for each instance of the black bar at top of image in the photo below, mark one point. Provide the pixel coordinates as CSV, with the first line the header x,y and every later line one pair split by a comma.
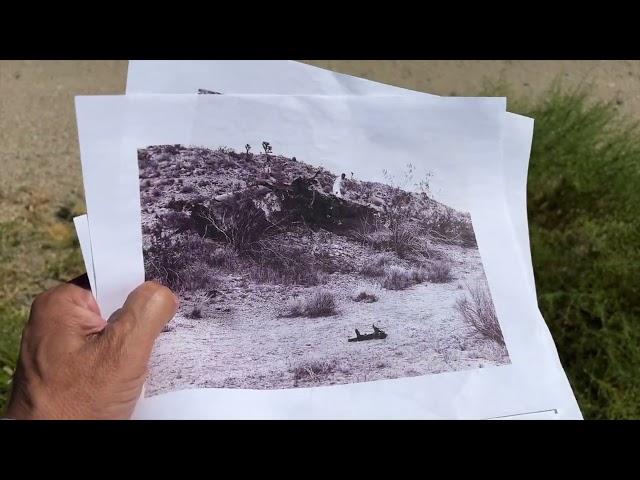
x,y
322,32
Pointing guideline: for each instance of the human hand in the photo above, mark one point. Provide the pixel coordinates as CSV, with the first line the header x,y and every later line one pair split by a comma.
x,y
75,365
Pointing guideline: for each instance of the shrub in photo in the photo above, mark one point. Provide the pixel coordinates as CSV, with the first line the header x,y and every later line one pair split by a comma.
x,y
264,271
197,276
365,294
200,301
238,222
320,303
376,267
369,232
275,260
477,311
294,308
439,272
419,275
397,278
467,237
163,260
313,369
223,257
181,263
175,221
403,240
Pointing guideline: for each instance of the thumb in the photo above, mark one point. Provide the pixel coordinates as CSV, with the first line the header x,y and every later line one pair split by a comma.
x,y
143,316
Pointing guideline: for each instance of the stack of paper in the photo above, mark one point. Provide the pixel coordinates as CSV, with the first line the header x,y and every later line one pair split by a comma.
x,y
341,248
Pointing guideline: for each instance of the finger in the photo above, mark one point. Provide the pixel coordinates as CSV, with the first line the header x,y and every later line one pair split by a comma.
x,y
143,316
87,298
66,308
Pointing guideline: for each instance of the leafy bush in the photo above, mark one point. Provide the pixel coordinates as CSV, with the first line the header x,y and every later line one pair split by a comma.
x,y
223,257
377,239
582,203
225,150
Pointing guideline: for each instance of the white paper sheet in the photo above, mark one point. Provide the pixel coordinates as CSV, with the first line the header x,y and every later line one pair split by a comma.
x,y
517,135
81,224
533,382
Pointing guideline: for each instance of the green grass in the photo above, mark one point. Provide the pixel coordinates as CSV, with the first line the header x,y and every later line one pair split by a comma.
x,y
37,250
584,203
12,318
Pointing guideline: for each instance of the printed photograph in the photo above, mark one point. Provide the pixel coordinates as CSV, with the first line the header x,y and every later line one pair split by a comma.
x,y
291,275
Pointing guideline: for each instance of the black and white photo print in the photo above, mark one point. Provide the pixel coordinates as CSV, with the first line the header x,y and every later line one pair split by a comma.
x,y
291,274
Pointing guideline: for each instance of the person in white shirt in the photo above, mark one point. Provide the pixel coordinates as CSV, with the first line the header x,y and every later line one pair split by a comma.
x,y
337,185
